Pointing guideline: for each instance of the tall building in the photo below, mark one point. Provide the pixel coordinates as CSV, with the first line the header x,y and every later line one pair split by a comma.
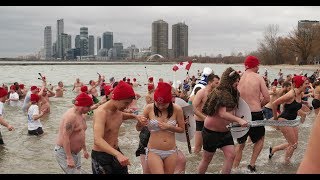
x,y
98,43
160,38
305,24
84,41
107,40
118,49
180,40
91,45
77,41
60,30
47,42
69,44
65,44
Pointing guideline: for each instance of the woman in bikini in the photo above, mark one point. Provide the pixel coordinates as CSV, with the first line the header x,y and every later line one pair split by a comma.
x,y
292,108
165,119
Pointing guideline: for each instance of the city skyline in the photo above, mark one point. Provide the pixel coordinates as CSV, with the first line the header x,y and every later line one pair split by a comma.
x,y
212,30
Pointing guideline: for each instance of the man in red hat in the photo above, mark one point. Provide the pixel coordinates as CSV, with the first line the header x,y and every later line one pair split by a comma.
x,y
71,136
106,155
254,92
33,90
3,97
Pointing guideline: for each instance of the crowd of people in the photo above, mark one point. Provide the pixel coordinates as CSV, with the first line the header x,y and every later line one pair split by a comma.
x,y
214,100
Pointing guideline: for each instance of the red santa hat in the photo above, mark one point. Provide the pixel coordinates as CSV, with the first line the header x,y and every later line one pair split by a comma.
x,y
84,89
298,81
251,62
34,97
83,100
162,93
123,91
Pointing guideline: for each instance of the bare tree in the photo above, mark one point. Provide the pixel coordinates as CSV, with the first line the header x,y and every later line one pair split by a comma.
x,y
269,48
302,41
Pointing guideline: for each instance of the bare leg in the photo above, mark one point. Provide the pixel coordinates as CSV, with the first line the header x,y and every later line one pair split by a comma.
x,y
197,141
229,155
181,163
205,161
257,147
238,150
144,164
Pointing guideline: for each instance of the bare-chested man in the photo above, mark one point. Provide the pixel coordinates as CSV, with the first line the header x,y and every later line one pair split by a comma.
x,y
198,103
71,136
93,86
77,85
254,91
107,119
60,89
44,95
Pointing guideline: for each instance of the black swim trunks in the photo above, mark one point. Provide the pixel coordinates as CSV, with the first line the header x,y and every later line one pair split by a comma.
x,y
199,125
315,103
255,133
103,163
213,140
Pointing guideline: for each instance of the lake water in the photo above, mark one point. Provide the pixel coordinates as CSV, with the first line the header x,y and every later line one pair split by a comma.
x,y
23,154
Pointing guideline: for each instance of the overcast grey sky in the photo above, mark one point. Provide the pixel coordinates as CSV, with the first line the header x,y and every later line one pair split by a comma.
x,y
212,30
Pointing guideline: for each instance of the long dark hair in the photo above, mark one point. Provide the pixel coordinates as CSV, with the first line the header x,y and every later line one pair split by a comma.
x,y
225,89
157,112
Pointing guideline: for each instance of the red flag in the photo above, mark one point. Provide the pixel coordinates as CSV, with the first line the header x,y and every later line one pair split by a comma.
x,y
186,65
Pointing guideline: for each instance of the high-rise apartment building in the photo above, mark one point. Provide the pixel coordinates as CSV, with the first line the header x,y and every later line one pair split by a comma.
x,y
69,42
107,40
98,43
60,30
91,45
77,41
180,40
47,42
160,38
84,41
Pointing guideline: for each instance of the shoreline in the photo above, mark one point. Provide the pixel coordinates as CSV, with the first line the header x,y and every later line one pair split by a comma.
x,y
294,67
28,63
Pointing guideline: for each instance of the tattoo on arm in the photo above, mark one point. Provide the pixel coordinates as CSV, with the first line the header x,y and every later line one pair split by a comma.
x,y
69,127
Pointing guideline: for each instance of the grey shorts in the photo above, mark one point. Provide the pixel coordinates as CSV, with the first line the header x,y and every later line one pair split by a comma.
x,y
62,161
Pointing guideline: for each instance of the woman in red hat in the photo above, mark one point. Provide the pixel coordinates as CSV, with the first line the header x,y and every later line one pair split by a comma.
x,y
292,108
165,119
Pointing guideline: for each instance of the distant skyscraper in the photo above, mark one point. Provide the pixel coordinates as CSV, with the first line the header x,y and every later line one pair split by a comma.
x,y
69,45
60,30
91,45
84,41
118,49
107,40
47,42
98,43
77,41
65,43
54,49
180,40
160,38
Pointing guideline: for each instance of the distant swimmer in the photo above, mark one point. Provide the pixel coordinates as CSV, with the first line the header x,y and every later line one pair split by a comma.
x,y
60,89
77,85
